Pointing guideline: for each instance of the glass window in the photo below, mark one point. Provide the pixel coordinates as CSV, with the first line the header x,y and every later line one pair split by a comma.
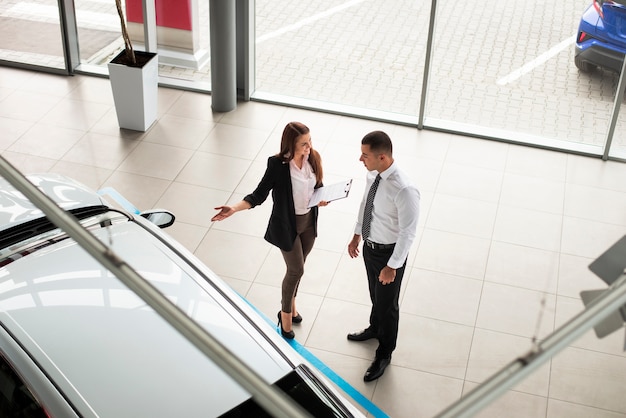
x,y
30,33
506,70
365,55
16,400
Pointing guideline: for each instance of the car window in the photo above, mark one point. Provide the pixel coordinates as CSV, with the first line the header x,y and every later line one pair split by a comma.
x,y
302,387
16,400
622,2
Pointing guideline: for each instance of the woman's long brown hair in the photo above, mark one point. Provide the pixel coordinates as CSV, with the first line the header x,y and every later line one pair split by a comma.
x,y
288,146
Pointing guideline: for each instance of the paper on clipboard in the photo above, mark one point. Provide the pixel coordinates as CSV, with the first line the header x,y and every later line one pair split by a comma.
x,y
332,192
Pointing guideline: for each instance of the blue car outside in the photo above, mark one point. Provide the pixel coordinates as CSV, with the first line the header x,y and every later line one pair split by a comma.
x,y
601,37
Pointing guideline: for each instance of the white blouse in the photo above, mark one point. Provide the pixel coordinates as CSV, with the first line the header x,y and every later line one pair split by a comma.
x,y
302,185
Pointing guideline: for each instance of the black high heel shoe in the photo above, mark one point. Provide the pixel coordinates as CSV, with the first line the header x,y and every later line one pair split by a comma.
x,y
287,334
296,319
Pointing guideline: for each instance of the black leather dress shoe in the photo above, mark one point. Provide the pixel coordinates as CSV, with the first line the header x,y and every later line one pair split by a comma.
x,y
376,369
362,335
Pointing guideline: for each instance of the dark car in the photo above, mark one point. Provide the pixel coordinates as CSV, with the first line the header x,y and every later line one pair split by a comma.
x,y
601,38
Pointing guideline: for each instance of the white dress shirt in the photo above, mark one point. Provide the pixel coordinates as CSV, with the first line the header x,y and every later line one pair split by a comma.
x,y
395,213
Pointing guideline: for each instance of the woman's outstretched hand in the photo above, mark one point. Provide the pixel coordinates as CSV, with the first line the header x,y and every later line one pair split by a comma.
x,y
224,212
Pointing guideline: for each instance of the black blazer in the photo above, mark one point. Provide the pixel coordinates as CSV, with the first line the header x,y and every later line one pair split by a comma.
x,y
281,229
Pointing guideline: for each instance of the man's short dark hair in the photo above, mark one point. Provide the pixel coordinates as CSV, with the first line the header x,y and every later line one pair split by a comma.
x,y
378,142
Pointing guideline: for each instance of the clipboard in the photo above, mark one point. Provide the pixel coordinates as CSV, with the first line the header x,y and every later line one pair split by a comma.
x,y
329,193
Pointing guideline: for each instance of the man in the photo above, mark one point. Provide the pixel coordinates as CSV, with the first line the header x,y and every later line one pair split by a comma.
x,y
387,221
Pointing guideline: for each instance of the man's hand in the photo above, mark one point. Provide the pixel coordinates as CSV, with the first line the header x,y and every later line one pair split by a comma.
x,y
353,246
387,275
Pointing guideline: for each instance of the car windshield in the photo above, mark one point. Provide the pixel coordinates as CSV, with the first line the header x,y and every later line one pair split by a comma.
x,y
33,235
38,226
303,388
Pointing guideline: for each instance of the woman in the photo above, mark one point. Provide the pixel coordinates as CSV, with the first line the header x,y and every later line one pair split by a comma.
x,y
292,175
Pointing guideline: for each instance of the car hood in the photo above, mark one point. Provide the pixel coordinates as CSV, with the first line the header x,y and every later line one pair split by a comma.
x,y
111,353
65,192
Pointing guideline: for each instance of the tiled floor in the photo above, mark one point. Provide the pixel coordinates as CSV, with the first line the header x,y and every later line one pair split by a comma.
x,y
503,231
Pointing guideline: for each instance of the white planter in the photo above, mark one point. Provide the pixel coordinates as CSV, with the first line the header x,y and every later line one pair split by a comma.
x,y
135,90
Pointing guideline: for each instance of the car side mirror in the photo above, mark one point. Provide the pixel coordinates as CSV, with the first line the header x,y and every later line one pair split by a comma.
x,y
159,217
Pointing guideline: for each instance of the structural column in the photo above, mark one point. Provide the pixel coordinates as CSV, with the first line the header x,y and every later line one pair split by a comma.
x,y
223,55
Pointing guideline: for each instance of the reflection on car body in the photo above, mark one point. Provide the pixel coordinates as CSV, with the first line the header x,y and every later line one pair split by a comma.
x,y
82,344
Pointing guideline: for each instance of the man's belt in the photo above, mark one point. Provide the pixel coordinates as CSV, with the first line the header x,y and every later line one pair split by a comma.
x,y
376,246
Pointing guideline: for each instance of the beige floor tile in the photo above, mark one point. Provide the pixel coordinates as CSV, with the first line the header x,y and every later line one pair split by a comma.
x,y
191,105
491,351
350,283
531,192
589,172
421,144
15,78
342,160
513,404
594,204
248,222
48,141
11,130
568,308
334,229
462,216
210,170
586,238
589,378
75,114
544,164
470,182
574,276
529,228
92,89
441,296
235,141
452,253
233,255
406,393
27,164
560,409
254,115
516,311
100,150
179,132
433,346
156,160
424,173
478,153
522,266
188,235
27,106
142,191
337,318
191,204
90,176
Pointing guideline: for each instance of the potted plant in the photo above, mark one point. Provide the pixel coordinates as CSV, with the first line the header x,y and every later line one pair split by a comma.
x,y
134,77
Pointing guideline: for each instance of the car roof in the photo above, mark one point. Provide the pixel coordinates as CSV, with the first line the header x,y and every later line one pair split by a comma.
x,y
110,353
64,191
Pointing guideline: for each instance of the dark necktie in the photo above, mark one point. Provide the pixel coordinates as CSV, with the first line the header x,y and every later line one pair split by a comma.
x,y
369,205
